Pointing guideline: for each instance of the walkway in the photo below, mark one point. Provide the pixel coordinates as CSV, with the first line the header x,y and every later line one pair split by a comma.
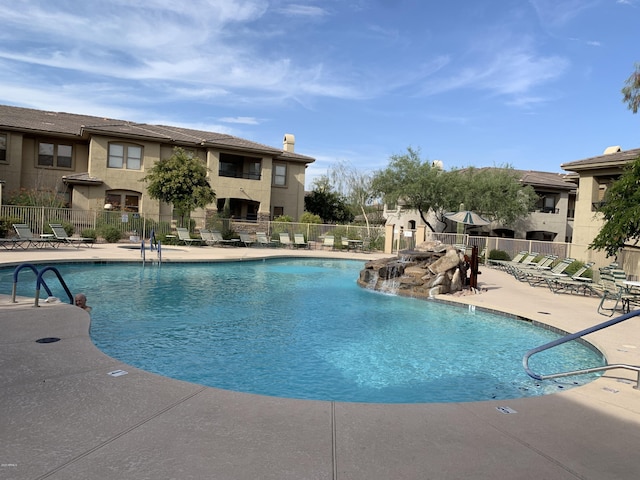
x,y
63,417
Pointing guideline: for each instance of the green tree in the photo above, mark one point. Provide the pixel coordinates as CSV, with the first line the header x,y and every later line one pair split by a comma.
x,y
418,184
180,180
495,193
621,212
631,90
328,204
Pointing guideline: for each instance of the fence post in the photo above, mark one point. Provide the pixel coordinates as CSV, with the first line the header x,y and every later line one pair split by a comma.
x,y
42,219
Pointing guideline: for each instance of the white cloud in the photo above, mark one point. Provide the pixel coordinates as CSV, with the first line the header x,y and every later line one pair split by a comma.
x,y
556,13
241,120
303,11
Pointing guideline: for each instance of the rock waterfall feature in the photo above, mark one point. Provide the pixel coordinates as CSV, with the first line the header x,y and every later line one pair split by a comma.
x,y
432,268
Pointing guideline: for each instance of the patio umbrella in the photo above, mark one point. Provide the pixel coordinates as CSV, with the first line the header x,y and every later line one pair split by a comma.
x,y
467,217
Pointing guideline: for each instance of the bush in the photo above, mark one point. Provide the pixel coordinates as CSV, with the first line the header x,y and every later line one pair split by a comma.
x,y
6,225
89,233
229,234
499,255
110,233
308,217
577,265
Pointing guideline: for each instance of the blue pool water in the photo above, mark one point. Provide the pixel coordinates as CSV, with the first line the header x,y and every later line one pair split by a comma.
x,y
304,329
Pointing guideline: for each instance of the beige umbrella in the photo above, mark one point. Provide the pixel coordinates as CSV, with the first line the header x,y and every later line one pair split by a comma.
x,y
467,217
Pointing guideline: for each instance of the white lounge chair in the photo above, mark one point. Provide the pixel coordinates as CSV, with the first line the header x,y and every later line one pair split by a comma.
x,y
61,235
183,236
298,241
285,240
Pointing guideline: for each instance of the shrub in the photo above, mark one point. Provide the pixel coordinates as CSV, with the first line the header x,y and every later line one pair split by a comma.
x,y
110,233
577,265
283,218
89,233
499,255
308,217
229,234
6,225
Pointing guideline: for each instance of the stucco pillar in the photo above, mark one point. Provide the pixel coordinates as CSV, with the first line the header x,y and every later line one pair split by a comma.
x,y
388,238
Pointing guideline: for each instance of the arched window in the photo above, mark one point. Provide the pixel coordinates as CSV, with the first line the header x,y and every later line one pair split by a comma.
x,y
124,200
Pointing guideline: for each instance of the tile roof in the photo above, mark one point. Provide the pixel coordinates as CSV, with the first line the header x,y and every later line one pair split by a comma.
x,y
26,119
539,179
616,159
545,179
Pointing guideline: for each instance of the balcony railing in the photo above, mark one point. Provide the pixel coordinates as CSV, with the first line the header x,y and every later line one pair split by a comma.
x,y
247,176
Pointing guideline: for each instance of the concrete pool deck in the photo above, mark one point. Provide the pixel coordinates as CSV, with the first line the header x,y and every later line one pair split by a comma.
x,y
64,417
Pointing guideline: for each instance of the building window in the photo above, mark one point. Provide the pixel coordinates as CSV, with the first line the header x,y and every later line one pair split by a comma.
x,y
238,166
124,156
278,212
279,175
123,200
55,155
3,147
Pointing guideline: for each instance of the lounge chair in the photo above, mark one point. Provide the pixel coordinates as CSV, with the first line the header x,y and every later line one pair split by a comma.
x,y
184,237
246,239
501,264
61,236
328,241
539,277
298,241
215,238
576,283
611,294
509,266
285,240
263,240
11,243
25,234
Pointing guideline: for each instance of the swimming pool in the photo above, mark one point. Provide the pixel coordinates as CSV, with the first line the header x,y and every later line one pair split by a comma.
x,y
304,329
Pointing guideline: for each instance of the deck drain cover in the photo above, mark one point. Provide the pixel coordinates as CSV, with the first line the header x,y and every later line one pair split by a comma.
x,y
48,340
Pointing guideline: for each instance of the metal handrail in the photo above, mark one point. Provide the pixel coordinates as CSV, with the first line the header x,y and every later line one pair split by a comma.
x,y
16,271
40,281
574,336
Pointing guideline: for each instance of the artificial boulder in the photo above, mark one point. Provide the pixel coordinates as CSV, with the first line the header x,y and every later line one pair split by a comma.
x,y
431,269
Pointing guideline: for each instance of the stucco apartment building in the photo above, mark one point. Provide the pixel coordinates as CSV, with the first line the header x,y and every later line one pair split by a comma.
x,y
594,176
550,221
96,162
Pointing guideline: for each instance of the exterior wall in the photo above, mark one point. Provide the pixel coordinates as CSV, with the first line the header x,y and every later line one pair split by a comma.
x,y
22,170
241,188
587,222
11,171
291,196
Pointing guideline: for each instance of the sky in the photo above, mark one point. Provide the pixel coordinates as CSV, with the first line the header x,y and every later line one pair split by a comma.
x,y
528,83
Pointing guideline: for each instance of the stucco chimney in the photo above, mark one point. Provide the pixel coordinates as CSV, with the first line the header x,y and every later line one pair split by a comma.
x,y
614,149
289,142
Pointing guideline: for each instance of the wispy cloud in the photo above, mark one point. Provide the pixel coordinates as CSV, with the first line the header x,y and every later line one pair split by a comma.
x,y
195,51
303,11
559,12
502,66
241,120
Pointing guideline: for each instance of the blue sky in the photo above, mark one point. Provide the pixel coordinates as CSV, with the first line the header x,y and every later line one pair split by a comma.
x,y
532,83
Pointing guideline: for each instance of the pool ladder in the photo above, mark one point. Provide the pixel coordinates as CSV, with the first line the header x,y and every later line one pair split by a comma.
x,y
574,336
40,282
158,247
